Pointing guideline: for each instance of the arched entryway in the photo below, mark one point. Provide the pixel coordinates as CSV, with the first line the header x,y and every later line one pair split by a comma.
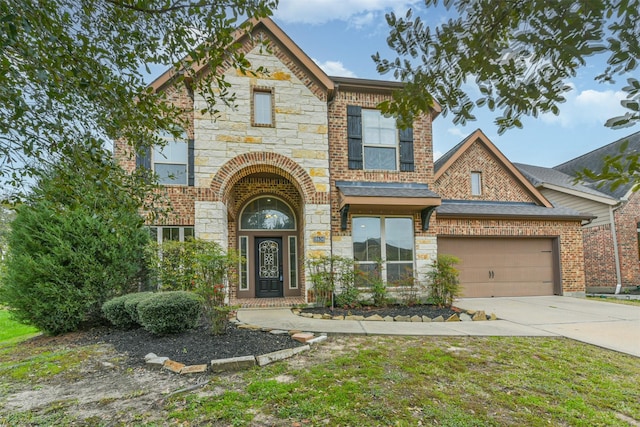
x,y
268,240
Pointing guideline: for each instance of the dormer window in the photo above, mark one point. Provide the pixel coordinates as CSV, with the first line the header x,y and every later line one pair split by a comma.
x,y
476,183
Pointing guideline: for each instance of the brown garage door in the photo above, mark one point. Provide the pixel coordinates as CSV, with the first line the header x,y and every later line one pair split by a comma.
x,y
492,267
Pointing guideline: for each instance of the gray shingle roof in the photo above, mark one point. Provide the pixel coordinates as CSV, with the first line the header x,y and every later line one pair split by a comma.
x,y
507,209
538,175
384,189
446,156
594,161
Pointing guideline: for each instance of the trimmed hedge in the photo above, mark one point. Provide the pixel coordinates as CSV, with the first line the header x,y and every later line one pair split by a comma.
x,y
170,312
131,304
122,311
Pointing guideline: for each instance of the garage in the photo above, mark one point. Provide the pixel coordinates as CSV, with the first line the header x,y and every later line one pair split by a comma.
x,y
500,267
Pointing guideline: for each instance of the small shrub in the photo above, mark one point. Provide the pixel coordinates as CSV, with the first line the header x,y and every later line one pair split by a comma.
x,y
122,311
170,312
444,283
333,274
131,304
408,290
114,311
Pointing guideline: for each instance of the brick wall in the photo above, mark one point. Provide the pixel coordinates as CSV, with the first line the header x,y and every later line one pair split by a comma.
x,y
497,183
568,232
338,151
626,219
599,258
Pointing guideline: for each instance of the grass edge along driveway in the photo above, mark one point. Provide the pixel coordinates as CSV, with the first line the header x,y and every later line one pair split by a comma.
x,y
444,381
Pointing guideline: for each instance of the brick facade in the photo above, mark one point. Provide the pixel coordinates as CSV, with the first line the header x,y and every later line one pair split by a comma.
x,y
568,233
299,159
627,218
497,182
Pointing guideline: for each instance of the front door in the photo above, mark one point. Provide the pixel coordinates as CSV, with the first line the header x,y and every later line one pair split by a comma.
x,y
269,272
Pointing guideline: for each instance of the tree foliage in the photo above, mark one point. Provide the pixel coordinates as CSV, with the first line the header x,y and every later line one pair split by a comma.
x,y
74,70
77,241
517,54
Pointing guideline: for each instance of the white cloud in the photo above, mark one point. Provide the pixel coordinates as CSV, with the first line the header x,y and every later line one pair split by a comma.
x,y
437,155
457,132
334,68
587,108
357,12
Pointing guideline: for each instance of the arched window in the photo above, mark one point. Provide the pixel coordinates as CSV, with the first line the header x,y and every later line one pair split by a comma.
x,y
267,213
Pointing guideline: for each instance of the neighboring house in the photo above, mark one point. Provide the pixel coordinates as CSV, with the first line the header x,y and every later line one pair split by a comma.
x,y
307,166
611,243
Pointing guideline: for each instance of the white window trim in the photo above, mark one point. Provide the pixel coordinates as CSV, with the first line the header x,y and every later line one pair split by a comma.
x,y
154,160
181,229
383,244
476,175
395,146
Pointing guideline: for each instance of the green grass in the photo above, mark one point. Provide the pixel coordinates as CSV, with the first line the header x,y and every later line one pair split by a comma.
x,y
10,329
408,381
616,300
400,381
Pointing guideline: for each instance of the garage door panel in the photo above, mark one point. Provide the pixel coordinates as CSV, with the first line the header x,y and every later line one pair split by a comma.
x,y
502,266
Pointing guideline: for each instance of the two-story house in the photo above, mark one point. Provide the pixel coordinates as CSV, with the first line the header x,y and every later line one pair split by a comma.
x,y
305,165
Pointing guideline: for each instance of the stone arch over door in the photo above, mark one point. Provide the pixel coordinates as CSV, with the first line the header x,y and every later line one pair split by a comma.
x,y
262,162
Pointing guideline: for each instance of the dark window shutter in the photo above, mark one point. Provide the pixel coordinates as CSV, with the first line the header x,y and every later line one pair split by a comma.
x,y
190,164
354,134
143,158
406,150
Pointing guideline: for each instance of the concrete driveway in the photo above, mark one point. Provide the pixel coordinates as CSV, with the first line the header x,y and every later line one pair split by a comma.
x,y
605,324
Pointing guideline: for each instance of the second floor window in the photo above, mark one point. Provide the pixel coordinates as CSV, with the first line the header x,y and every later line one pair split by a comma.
x,y
170,161
476,183
375,142
173,163
379,140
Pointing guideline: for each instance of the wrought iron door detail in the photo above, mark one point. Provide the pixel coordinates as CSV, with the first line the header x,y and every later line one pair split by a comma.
x,y
269,268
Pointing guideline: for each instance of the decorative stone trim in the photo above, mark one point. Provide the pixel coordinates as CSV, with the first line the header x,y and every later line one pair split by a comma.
x,y
243,362
465,316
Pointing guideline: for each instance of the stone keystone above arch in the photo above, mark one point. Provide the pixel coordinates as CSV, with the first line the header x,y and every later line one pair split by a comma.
x,y
261,162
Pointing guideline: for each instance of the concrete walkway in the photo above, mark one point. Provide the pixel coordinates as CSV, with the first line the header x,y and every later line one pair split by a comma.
x,y
608,325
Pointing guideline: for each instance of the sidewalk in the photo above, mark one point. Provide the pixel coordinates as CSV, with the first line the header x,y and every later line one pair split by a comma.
x,y
608,325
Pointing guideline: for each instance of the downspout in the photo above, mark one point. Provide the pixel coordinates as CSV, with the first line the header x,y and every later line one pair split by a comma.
x,y
616,255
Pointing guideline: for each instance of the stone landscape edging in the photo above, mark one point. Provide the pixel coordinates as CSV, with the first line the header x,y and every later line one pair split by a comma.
x,y
241,362
467,315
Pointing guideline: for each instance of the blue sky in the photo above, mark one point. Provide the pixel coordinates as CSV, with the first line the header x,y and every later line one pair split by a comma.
x,y
341,36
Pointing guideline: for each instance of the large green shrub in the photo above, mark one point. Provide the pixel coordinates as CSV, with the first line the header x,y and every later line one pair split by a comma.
x,y
443,281
170,312
75,243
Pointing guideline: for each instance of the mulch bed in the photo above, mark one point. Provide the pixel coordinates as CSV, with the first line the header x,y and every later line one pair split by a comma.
x,y
430,311
193,347
199,346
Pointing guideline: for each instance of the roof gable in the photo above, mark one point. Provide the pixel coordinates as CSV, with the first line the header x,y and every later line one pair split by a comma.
x,y
304,67
454,158
594,161
553,179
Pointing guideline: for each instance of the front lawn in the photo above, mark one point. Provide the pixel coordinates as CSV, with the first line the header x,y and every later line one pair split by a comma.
x,y
347,380
10,329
